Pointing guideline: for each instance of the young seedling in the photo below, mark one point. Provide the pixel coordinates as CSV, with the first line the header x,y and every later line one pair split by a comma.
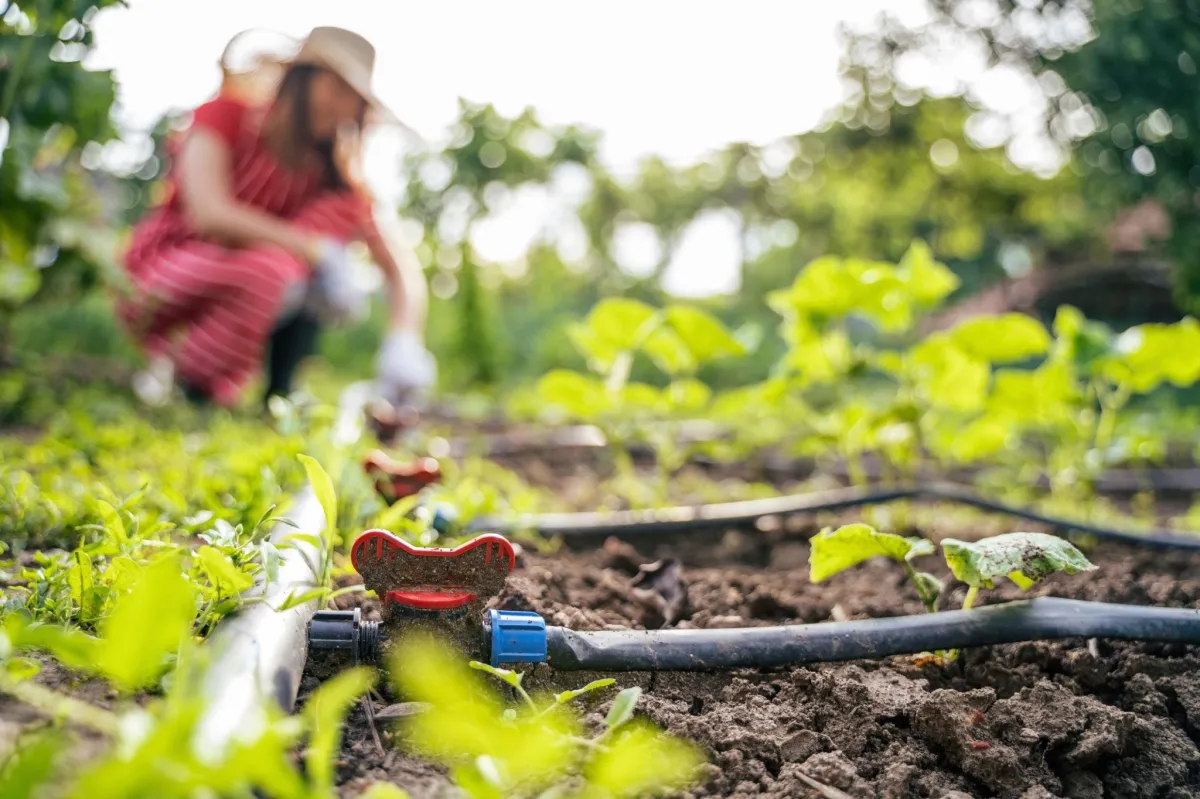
x,y
1024,558
492,750
835,551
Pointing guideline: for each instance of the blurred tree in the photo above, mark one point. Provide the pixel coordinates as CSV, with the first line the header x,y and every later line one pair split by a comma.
x,y
1118,82
450,191
50,108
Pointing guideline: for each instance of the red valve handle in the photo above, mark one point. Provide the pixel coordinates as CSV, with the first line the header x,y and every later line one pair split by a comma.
x,y
395,480
429,578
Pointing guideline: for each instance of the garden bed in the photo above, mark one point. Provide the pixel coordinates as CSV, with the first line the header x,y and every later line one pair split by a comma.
x,y
1069,719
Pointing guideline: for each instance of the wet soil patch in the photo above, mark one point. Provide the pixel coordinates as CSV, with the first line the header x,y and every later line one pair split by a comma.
x,y
1067,718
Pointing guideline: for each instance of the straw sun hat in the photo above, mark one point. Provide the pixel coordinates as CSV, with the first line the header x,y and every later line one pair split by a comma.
x,y
343,52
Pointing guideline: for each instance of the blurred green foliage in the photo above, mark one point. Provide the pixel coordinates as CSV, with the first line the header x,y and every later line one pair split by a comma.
x,y
53,243
1118,81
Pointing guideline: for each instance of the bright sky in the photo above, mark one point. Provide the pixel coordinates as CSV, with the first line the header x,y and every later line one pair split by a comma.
x,y
671,77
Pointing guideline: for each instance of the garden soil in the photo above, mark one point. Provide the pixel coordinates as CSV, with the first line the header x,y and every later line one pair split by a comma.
x,y
1072,718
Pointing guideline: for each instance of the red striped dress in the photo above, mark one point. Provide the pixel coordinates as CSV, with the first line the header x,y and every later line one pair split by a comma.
x,y
211,307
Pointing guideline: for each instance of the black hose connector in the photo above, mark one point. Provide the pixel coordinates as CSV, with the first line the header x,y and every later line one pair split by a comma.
x,y
345,630
1040,619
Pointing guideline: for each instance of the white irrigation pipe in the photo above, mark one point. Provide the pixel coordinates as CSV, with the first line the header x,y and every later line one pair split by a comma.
x,y
260,652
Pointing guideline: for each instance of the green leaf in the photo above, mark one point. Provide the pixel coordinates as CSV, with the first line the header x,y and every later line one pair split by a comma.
x,y
22,668
929,281
594,685
622,708
31,766
227,578
642,762
113,523
1079,342
397,515
620,322
269,553
837,550
688,396
79,577
1046,395
1001,339
72,647
296,598
322,486
948,376
324,713
465,718
578,395
929,588
703,334
509,676
1146,356
147,624
1024,558
669,352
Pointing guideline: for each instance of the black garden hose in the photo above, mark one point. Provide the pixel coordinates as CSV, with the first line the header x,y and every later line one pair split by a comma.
x,y
747,513
1041,619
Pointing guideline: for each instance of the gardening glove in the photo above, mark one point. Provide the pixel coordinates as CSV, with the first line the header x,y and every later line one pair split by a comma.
x,y
405,368
333,297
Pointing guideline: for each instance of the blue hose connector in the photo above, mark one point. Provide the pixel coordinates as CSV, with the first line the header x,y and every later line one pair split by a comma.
x,y
518,636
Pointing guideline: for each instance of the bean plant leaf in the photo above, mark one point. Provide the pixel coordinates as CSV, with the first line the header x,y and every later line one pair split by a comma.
x,y
1024,558
147,623
927,280
1146,356
835,551
322,487
703,334
670,352
1003,338
947,375
580,396
1080,342
614,326
622,707
687,396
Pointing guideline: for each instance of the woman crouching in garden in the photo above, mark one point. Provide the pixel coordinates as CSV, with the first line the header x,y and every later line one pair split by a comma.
x,y
247,257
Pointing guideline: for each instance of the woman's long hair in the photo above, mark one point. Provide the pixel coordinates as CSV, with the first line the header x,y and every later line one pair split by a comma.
x,y
292,142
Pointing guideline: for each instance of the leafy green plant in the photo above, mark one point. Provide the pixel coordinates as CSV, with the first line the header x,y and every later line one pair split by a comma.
x,y
52,235
678,340
829,372
1023,558
157,749
835,551
493,751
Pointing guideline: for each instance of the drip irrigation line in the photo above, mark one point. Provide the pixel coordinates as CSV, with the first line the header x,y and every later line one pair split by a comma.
x,y
1041,619
747,513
